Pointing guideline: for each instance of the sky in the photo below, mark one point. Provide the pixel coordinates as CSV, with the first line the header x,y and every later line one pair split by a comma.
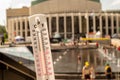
x,y
5,4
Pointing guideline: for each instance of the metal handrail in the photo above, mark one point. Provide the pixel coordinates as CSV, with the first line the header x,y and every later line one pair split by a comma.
x,y
17,69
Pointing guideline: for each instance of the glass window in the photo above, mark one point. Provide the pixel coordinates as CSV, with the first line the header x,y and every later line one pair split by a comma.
x,y
69,23
69,36
90,24
114,20
103,21
83,24
53,24
28,33
114,24
18,25
23,25
76,24
97,23
18,33
104,32
24,34
61,24
14,25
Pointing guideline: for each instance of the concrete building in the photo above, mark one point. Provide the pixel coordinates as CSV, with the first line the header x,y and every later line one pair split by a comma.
x,y
17,23
64,6
67,17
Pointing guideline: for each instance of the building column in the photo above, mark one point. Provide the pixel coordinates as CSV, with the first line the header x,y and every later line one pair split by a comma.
x,y
12,30
112,24
57,23
21,30
117,23
65,30
26,27
94,23
16,27
73,32
106,22
9,29
50,30
100,21
87,22
80,23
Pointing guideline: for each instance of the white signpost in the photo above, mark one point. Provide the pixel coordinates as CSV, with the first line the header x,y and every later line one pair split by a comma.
x,y
41,47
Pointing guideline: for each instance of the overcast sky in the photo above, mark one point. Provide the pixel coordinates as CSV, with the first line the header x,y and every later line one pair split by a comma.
x,y
5,4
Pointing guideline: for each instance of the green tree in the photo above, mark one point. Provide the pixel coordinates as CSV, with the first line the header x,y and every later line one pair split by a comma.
x,y
3,31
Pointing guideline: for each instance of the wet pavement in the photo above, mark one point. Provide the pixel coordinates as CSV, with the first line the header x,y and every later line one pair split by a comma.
x,y
69,60
72,61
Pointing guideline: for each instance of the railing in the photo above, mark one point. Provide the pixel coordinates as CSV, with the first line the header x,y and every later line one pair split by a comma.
x,y
16,66
99,75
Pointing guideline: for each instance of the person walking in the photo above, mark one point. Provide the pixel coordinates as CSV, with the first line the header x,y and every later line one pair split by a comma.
x,y
92,73
86,71
108,72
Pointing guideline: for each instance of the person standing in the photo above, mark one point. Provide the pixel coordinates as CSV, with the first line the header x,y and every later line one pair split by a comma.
x,y
78,63
92,73
3,41
108,72
86,71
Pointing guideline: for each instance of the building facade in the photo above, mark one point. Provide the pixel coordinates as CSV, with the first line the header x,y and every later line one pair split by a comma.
x,y
64,6
67,17
17,23
70,24
70,17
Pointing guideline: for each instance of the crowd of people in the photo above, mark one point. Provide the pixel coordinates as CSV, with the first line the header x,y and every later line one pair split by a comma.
x,y
88,72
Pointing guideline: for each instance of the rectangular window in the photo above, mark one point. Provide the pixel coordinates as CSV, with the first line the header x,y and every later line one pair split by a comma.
x,y
48,23
53,24
114,21
24,34
18,33
69,23
14,25
23,25
90,24
76,24
28,33
61,24
18,25
69,36
83,24
103,21
97,23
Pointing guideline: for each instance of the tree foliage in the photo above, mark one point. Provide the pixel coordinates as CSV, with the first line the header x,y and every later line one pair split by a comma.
x,y
3,31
